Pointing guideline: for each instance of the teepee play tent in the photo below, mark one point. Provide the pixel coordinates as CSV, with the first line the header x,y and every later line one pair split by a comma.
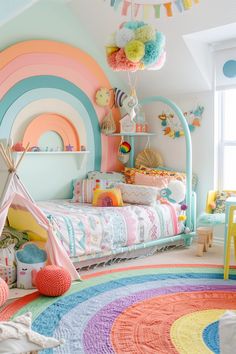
x,y
14,197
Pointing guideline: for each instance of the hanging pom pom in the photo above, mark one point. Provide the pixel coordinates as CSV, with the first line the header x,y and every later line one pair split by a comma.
x,y
134,51
134,24
142,45
152,53
145,33
123,36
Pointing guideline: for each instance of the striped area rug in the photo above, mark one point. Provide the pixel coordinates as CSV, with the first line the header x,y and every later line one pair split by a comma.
x,y
164,309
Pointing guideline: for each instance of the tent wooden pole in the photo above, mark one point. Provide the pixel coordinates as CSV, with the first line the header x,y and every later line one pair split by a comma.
x,y
5,157
18,163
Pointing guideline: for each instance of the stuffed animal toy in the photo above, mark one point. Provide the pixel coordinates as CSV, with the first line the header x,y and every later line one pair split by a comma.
x,y
175,192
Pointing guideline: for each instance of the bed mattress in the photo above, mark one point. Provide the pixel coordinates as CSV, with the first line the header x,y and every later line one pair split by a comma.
x,y
86,231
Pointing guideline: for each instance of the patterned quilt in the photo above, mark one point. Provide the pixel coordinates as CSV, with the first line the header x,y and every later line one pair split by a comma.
x,y
86,231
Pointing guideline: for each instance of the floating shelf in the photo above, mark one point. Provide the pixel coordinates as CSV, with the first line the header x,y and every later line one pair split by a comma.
x,y
51,152
132,134
131,139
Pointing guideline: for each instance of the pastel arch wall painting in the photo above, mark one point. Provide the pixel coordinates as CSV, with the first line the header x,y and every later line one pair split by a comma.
x,y
57,67
51,122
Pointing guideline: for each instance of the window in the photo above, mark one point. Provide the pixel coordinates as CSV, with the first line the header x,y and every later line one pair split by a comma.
x,y
227,140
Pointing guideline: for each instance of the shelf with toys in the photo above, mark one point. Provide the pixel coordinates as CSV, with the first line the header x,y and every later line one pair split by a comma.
x,y
131,138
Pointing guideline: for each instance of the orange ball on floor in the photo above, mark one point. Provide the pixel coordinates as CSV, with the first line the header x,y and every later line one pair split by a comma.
x,y
53,281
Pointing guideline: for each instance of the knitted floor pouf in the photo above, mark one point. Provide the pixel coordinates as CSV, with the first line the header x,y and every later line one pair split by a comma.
x,y
4,292
53,281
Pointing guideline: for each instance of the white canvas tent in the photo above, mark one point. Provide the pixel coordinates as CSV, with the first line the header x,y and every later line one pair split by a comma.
x,y
14,194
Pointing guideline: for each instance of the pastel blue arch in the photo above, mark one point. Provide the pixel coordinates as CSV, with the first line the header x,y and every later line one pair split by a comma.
x,y
38,94
53,82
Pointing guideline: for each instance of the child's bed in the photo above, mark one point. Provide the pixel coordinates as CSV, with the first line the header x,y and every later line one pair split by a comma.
x,y
91,233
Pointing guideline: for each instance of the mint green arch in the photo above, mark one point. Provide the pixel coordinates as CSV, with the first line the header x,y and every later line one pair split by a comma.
x,y
42,93
47,81
188,144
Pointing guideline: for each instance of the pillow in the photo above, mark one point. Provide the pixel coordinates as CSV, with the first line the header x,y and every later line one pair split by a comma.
x,y
135,194
29,258
149,180
220,201
107,197
109,176
16,336
83,189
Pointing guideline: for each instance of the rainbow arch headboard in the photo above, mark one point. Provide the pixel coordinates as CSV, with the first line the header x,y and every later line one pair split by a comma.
x,y
42,76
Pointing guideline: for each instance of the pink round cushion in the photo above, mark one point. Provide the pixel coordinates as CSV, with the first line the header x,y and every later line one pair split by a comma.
x,y
53,280
4,291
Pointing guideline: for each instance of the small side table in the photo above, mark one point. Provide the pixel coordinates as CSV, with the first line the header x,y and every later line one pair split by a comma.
x,y
205,239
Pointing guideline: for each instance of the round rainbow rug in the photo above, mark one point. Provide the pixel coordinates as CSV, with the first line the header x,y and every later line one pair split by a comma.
x,y
151,309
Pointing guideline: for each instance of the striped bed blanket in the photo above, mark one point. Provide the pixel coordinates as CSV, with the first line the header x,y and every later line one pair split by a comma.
x,y
86,231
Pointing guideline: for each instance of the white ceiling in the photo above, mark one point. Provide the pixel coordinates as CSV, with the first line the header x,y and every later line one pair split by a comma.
x,y
188,34
191,37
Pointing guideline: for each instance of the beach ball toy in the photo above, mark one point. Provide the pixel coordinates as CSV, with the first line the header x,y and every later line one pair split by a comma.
x,y
125,147
53,281
4,291
136,45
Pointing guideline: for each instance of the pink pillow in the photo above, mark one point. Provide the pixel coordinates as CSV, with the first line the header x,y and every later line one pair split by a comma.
x,y
150,180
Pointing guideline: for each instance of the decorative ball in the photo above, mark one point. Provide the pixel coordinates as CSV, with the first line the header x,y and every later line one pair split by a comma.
x,y
53,281
137,43
4,291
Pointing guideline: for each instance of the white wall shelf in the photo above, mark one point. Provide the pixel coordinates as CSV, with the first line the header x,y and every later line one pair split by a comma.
x,y
51,152
132,134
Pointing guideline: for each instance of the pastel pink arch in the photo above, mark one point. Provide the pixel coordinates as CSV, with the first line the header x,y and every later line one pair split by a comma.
x,y
21,61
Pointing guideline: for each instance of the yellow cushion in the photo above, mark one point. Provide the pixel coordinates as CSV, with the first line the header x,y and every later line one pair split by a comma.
x,y
23,220
107,197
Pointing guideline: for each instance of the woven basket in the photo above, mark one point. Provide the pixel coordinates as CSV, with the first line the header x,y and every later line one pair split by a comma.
x,y
148,158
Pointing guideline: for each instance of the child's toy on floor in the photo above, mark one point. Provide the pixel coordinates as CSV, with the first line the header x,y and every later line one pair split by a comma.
x,y
205,238
16,336
30,258
53,281
4,291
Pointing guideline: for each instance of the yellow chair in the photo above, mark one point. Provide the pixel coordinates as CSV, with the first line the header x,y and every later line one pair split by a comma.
x,y
231,233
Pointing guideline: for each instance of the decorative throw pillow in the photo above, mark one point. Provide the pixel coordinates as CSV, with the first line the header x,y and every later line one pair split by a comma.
x,y
107,197
150,180
29,259
109,176
220,201
83,189
16,336
136,194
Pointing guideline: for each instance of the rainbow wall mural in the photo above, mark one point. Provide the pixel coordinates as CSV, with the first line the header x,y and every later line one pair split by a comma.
x,y
43,76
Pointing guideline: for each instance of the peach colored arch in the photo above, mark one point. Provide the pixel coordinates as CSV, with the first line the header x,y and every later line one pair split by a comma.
x,y
54,122
72,53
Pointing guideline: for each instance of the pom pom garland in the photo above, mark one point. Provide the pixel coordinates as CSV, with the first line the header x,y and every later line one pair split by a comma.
x,y
137,46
